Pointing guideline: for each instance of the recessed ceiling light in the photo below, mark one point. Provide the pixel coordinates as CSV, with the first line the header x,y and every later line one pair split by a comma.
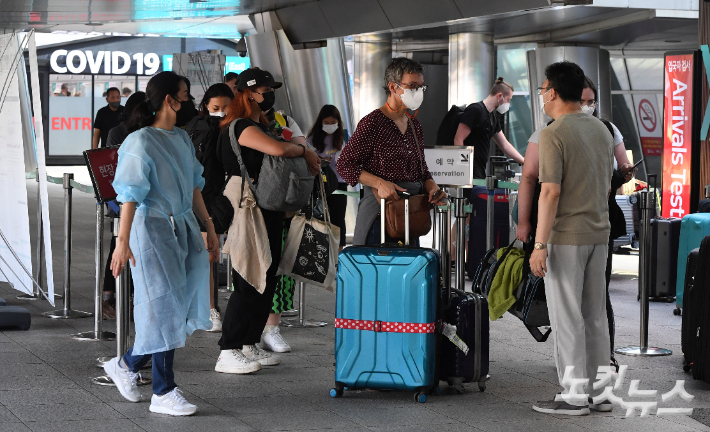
x,y
673,41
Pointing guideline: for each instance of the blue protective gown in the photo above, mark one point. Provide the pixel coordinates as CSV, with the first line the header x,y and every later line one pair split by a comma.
x,y
158,170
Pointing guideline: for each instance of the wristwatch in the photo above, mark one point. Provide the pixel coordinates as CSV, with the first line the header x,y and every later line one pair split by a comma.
x,y
539,246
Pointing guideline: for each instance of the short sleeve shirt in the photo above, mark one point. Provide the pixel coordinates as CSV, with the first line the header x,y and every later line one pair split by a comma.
x,y
107,119
380,148
483,125
252,158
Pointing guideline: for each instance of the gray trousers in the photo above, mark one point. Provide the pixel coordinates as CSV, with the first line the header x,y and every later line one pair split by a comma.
x,y
575,286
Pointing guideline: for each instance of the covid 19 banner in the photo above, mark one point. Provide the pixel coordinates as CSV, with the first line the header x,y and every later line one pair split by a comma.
x,y
677,134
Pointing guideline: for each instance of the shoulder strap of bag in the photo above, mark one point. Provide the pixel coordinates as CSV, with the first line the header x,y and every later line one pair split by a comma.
x,y
416,141
242,167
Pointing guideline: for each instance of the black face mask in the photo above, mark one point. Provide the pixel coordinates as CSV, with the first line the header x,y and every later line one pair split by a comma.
x,y
186,113
268,102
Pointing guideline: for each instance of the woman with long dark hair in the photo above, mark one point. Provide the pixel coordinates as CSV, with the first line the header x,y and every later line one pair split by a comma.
x,y
158,180
204,131
118,134
249,305
327,137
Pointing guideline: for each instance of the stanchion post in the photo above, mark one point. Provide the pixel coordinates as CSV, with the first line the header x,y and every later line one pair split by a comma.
x,y
98,334
122,320
442,228
302,321
647,203
459,202
67,312
491,184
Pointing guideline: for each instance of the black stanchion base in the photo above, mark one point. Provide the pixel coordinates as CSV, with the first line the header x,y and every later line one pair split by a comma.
x,y
306,323
67,314
643,352
37,297
94,336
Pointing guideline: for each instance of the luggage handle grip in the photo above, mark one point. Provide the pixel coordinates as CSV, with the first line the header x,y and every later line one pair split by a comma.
x,y
537,334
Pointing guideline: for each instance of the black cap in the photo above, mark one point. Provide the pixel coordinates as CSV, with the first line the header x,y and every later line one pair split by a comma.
x,y
256,77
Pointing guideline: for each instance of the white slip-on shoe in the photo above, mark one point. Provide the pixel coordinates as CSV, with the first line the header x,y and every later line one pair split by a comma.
x,y
125,380
234,361
216,321
273,341
172,403
253,352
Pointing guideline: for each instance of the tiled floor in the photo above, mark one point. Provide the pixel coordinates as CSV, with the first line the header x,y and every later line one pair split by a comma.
x,y
45,375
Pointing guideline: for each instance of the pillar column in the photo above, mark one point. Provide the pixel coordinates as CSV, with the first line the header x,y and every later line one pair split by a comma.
x,y
472,67
371,55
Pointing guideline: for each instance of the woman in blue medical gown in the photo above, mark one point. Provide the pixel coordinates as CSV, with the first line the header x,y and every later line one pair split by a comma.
x,y
158,180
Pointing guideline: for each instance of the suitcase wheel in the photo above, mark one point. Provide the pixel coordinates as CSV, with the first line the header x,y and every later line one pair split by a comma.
x,y
420,397
336,393
686,368
482,386
676,311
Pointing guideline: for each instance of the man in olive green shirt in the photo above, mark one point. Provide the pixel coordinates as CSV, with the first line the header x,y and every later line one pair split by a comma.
x,y
576,162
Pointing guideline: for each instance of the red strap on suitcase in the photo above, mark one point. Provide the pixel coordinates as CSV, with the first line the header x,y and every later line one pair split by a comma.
x,y
384,326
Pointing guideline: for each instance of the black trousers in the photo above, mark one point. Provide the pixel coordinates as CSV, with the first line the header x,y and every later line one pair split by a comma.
x,y
109,280
609,309
247,311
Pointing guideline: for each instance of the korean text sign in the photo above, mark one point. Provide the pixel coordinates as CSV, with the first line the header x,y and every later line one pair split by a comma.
x,y
677,134
102,167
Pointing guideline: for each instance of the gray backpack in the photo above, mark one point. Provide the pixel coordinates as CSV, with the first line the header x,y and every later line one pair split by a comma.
x,y
285,184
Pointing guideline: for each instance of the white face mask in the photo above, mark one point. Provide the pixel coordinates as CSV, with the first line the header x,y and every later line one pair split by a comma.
x,y
412,98
503,107
217,114
588,109
330,128
543,103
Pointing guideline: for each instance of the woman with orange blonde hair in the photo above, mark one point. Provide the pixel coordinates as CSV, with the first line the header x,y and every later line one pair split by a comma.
x,y
248,309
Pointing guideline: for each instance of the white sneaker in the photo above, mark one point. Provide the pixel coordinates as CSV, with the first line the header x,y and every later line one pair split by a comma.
x,y
216,321
172,403
273,341
253,352
125,380
234,361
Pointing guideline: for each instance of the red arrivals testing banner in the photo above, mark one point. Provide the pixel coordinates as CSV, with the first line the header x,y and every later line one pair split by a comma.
x,y
677,135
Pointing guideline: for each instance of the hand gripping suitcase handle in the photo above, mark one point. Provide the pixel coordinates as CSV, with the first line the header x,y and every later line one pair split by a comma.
x,y
383,228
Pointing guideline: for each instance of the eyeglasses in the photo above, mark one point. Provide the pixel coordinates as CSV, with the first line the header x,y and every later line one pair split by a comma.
x,y
413,86
542,89
592,103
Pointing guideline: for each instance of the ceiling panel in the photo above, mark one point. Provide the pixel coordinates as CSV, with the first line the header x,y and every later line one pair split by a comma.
x,y
405,13
340,16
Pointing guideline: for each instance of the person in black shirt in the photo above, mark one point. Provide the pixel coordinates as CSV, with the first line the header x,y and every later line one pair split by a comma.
x,y
479,124
119,133
247,311
107,117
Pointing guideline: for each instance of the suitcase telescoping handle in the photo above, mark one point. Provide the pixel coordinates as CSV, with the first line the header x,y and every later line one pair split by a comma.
x,y
383,228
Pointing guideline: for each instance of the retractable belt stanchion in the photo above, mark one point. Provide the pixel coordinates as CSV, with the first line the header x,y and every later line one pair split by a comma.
x,y
67,312
491,185
647,203
98,334
459,204
442,229
122,321
302,321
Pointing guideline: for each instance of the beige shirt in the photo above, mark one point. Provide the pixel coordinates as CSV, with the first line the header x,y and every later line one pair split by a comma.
x,y
577,152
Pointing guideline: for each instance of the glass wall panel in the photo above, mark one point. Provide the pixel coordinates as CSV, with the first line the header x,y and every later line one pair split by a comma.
x,y
69,114
619,69
645,73
512,64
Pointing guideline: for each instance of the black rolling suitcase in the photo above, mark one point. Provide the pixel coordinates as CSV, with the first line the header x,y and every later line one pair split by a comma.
x,y
477,226
468,312
700,319
688,324
14,318
665,237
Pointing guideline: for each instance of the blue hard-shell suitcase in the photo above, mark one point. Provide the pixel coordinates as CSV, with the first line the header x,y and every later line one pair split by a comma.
x,y
693,229
385,319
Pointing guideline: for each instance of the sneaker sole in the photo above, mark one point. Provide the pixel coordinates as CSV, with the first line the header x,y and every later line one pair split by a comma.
x,y
115,379
239,371
601,408
167,411
580,412
219,330
280,350
269,362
